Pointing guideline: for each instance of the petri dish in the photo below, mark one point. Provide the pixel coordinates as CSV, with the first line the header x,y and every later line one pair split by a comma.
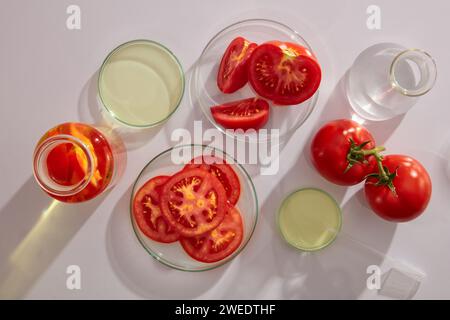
x,y
172,254
309,219
283,121
141,83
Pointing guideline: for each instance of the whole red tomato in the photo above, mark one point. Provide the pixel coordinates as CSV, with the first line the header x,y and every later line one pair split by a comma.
x,y
341,152
403,193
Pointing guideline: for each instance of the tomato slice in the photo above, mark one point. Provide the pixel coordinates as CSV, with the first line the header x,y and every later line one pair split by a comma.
x,y
284,72
233,66
223,171
147,212
193,201
251,113
218,243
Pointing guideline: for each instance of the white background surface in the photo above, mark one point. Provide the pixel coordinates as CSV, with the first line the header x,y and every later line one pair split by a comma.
x,y
46,78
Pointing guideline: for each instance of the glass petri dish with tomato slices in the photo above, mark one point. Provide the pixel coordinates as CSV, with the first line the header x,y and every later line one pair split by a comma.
x,y
207,93
178,252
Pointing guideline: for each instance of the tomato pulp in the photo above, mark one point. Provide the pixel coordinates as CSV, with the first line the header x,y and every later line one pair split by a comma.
x,y
222,171
284,72
193,201
218,243
147,211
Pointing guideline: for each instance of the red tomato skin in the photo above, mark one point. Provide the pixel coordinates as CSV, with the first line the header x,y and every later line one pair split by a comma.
x,y
231,78
413,187
279,53
329,149
253,121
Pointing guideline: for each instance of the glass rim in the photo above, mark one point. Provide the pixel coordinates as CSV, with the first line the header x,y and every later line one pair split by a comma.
x,y
312,100
55,141
168,263
323,246
181,74
414,92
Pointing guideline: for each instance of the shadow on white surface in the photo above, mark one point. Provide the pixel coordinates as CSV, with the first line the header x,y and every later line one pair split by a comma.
x,y
140,272
91,111
34,229
336,272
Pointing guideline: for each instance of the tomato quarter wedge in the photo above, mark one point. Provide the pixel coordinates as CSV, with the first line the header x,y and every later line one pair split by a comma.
x,y
251,113
222,171
147,212
193,201
219,243
284,72
232,73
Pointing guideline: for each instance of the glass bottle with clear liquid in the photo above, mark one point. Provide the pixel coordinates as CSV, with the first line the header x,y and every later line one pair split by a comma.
x,y
387,79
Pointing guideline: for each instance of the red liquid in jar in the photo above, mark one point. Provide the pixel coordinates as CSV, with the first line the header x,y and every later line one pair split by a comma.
x,y
67,163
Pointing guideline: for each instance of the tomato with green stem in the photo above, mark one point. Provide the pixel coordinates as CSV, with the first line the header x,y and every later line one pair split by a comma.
x,y
401,189
343,151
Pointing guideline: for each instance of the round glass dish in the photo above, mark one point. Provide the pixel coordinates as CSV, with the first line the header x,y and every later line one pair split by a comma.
x,y
141,83
286,119
172,254
309,219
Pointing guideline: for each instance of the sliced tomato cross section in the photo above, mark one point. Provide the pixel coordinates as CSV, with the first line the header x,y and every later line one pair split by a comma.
x,y
193,201
284,72
232,73
222,171
147,212
218,243
251,113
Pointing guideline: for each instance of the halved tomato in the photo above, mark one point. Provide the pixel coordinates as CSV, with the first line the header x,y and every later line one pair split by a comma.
x,y
193,201
233,66
218,243
147,212
223,171
284,72
251,113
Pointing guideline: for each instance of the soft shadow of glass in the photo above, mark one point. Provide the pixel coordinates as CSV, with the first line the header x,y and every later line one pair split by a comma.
x,y
91,111
267,256
340,270
141,273
34,229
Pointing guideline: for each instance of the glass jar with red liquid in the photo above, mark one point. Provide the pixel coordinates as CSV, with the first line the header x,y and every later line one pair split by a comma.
x,y
75,162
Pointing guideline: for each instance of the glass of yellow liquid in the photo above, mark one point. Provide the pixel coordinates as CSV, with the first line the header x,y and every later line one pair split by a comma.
x,y
309,219
141,83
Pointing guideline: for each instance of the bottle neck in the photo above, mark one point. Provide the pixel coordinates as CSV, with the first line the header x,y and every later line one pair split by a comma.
x,y
413,72
41,165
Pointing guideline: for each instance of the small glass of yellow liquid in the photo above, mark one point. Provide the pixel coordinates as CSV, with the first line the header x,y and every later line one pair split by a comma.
x,y
309,219
141,83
